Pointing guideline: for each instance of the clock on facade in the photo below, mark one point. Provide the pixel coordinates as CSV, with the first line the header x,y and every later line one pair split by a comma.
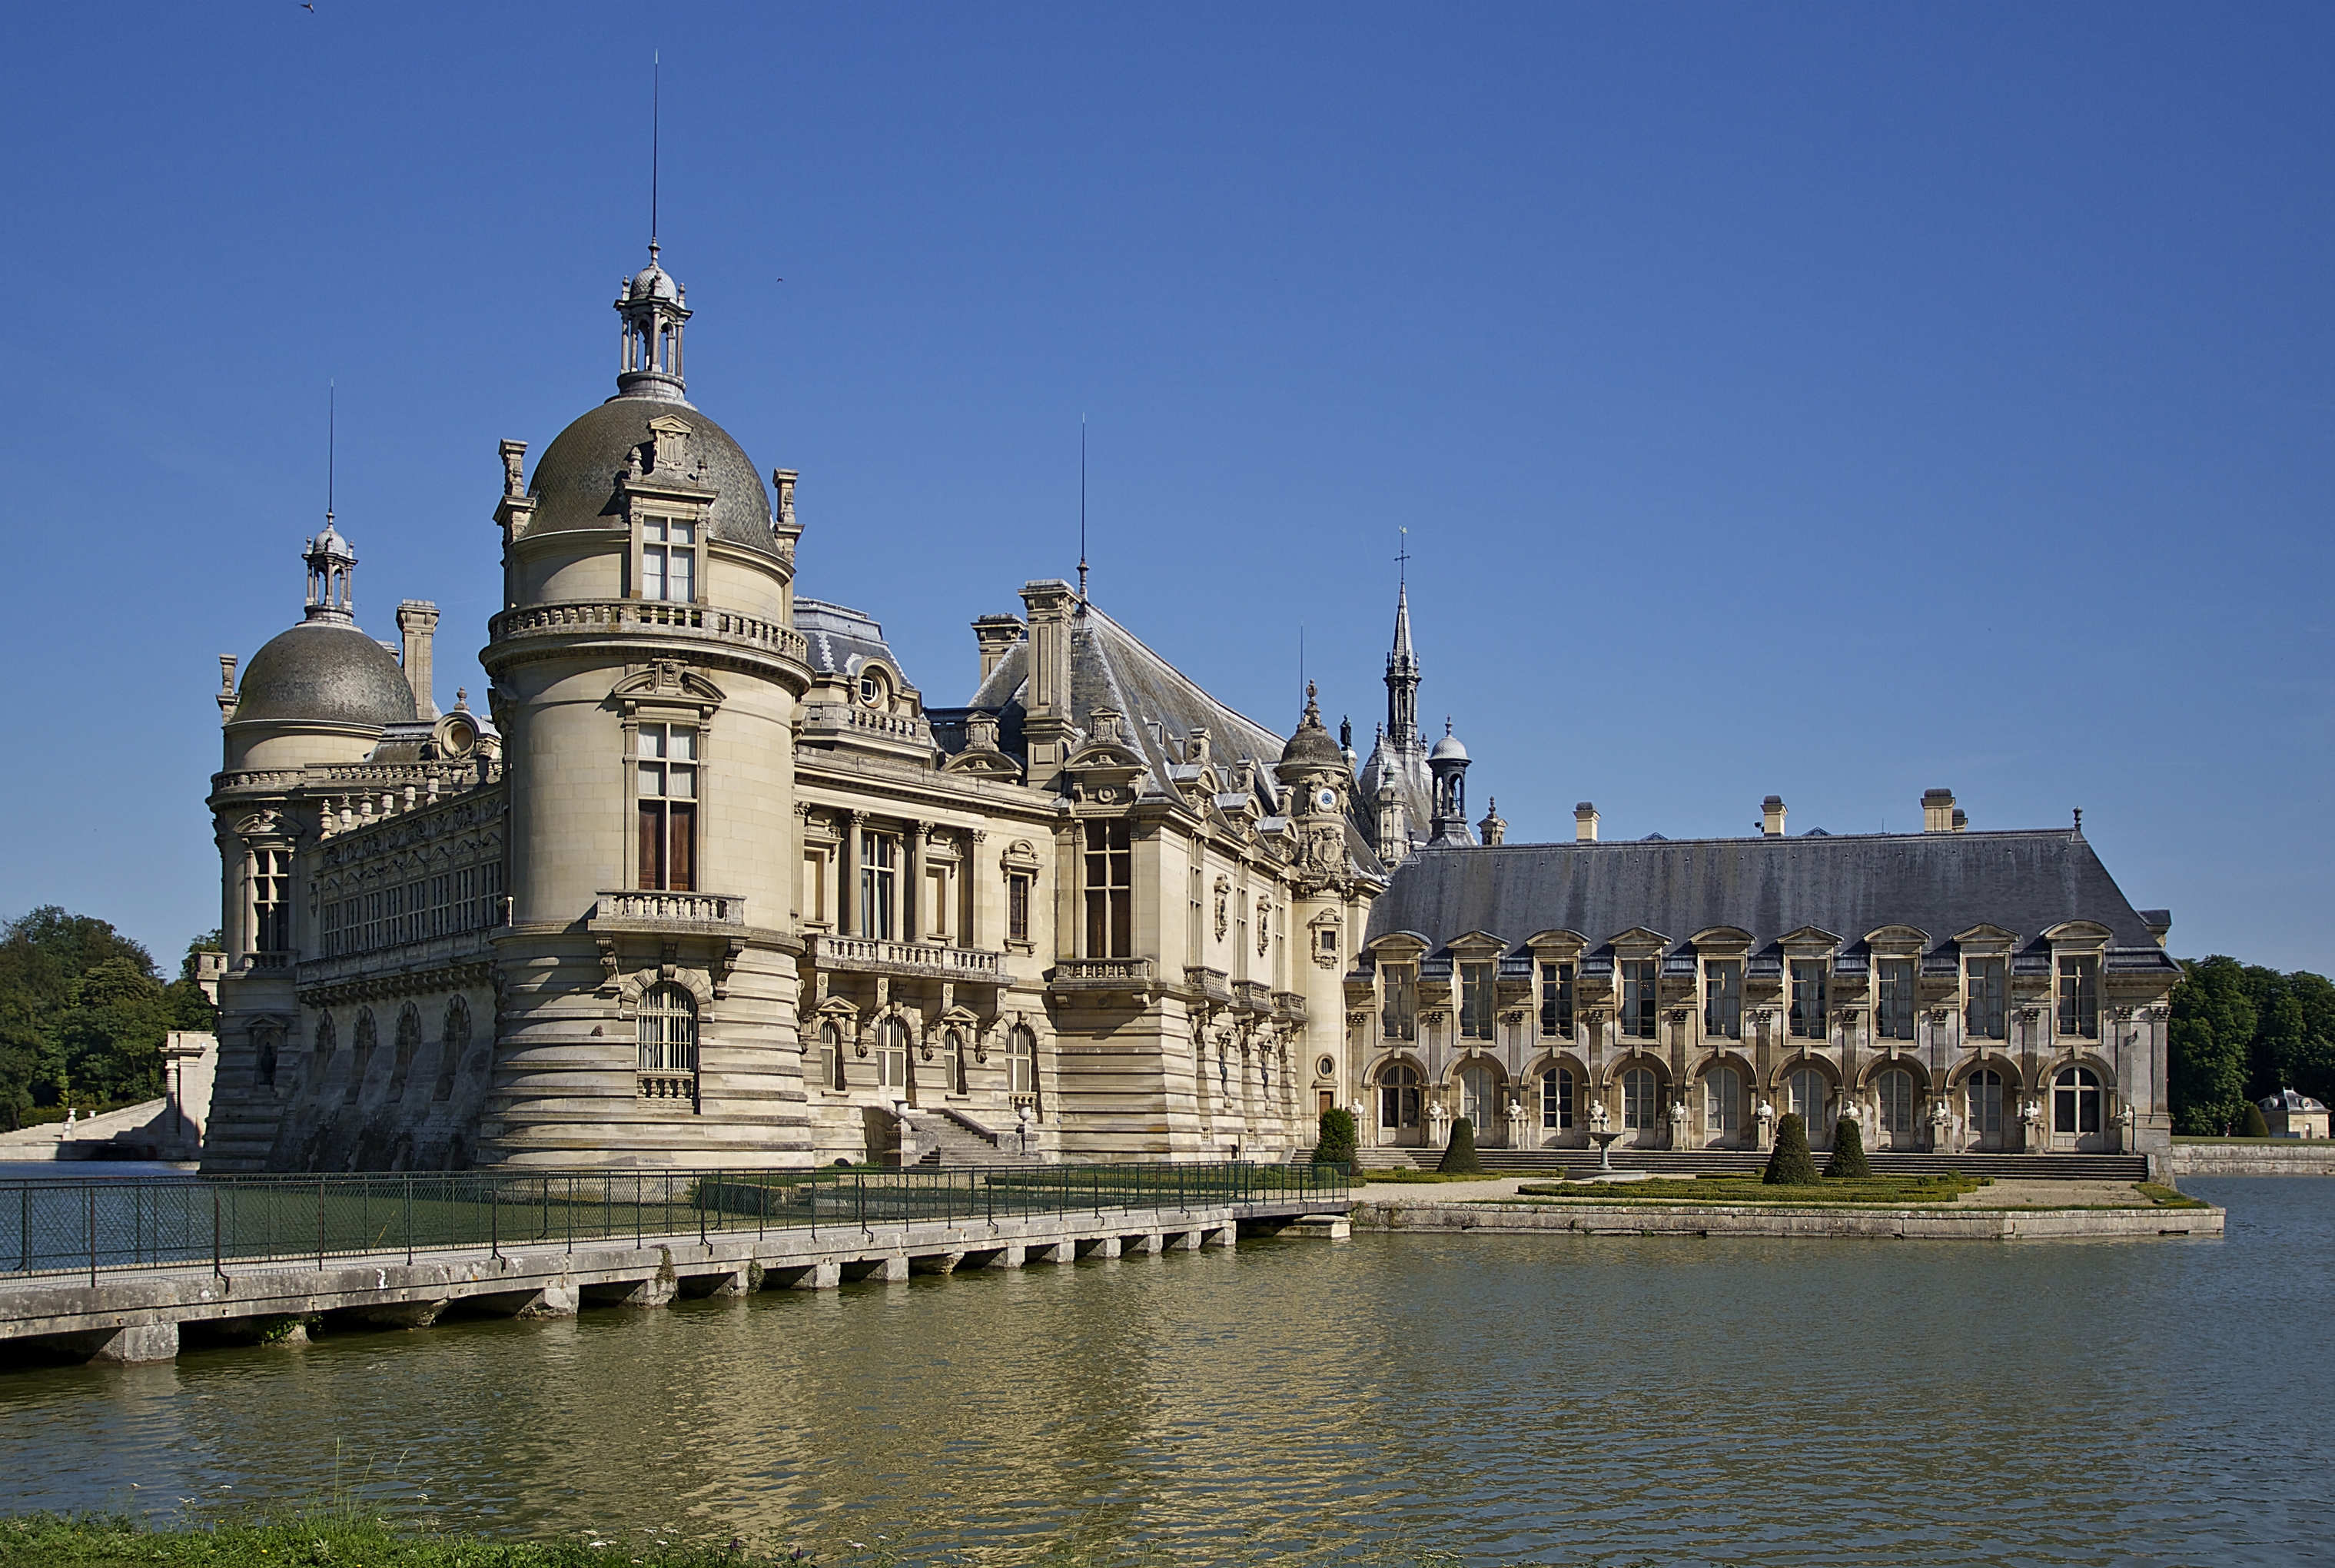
x,y
1327,800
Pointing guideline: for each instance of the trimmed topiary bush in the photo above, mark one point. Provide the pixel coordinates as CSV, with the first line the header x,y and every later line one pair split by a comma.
x,y
1337,1142
1790,1166
1848,1151
1459,1155
2255,1124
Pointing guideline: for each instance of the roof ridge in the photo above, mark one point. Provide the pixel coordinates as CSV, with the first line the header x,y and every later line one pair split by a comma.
x,y
1149,653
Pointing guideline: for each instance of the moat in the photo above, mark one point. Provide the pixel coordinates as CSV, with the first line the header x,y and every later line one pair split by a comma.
x,y
1504,1399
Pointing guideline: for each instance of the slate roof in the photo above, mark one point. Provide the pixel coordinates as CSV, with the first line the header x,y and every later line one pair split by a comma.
x,y
321,672
1941,883
842,639
1111,668
575,480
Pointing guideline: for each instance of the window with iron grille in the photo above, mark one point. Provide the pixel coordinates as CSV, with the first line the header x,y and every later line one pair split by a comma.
x,y
668,1030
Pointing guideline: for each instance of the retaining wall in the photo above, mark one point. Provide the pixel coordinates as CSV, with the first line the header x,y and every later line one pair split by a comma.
x,y
2281,1157
1812,1224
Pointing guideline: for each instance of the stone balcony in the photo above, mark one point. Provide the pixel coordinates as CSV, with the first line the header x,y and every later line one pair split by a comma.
x,y
648,909
905,960
849,724
1101,978
652,618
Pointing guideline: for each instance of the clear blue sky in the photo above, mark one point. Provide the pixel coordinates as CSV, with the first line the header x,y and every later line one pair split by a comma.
x,y
1829,400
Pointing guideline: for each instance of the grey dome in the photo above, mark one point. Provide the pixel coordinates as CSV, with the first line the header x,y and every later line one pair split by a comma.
x,y
320,672
1309,748
652,282
1449,749
575,481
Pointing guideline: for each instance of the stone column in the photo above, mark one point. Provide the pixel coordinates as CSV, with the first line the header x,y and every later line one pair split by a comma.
x,y
847,875
912,880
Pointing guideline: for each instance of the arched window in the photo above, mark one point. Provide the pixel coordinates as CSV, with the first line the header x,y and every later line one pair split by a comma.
x,y
1023,1060
668,1031
409,1041
368,1037
1983,1091
892,1055
1641,1099
1480,1097
2076,1101
1722,1101
952,1060
1810,1096
1399,1097
831,1055
1556,1099
1896,1101
453,1040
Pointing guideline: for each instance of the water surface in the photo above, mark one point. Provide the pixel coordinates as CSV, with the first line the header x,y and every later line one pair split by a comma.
x,y
1502,1399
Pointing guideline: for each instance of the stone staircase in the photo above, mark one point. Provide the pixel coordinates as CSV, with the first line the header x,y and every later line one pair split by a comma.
x,y
952,1139
1553,1162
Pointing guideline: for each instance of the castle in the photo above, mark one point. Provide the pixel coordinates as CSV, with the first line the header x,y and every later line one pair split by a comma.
x,y
710,884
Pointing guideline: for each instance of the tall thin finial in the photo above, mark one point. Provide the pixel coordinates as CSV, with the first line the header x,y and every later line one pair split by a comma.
x,y
656,128
332,444
1082,512
1402,560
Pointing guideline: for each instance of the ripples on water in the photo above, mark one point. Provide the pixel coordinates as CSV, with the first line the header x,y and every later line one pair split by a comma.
x,y
1506,1400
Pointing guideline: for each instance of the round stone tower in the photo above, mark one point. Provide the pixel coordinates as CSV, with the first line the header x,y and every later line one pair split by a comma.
x,y
645,671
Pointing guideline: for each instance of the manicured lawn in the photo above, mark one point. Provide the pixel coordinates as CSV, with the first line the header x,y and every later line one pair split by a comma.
x,y
44,1542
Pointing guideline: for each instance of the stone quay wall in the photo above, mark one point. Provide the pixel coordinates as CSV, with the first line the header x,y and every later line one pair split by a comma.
x,y
2275,1156
1794,1223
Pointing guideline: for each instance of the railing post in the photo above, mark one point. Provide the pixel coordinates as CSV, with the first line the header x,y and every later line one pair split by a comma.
x,y
408,1218
215,1269
320,1224
494,1219
90,1194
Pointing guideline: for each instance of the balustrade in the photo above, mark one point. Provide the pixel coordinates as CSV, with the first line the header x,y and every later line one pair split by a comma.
x,y
870,952
688,908
649,616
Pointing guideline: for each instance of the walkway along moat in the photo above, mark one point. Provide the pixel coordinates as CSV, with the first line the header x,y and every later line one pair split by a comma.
x,y
114,1269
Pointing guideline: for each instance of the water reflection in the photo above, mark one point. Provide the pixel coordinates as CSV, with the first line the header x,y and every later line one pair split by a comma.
x,y
1507,1398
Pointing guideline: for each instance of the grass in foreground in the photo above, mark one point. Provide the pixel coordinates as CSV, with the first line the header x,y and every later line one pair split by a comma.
x,y
1400,1176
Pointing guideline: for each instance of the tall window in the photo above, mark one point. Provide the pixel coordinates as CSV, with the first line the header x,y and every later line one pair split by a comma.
x,y
1557,1000
1985,989
1402,1018
1722,1101
1017,906
1480,1097
1476,1000
1809,1095
1110,889
934,914
2076,1101
952,1060
1896,1101
1556,1099
1810,1006
1984,1091
1638,996
1640,1100
669,560
1722,997
453,1040
1193,924
1895,1012
1398,1097
2079,997
667,774
1240,936
831,1055
668,1032
892,1055
263,1050
1021,1069
879,885
271,894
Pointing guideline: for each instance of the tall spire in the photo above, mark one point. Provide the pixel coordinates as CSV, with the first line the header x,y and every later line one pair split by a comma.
x,y
1403,679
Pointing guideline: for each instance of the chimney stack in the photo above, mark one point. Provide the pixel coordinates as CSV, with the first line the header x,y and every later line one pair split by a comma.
x,y
1938,812
996,635
417,620
1584,823
1771,816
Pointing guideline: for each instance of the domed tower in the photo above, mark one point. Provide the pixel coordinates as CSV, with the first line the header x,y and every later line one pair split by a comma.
x,y
1319,779
645,671
1448,765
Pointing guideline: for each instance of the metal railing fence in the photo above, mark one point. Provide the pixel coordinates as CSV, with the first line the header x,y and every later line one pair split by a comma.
x,y
93,1226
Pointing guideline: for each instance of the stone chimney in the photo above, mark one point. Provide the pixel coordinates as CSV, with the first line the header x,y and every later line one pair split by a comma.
x,y
417,620
996,635
1938,812
1584,823
1771,816
1046,722
226,697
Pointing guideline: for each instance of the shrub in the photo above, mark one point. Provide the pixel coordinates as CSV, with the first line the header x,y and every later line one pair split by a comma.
x,y
1790,1166
1849,1151
2254,1124
1338,1139
1459,1155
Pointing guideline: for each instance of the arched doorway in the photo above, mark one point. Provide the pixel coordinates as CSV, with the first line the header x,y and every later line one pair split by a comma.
x,y
1479,1102
1982,1101
2077,1122
1899,1125
1641,1108
1558,1098
1808,1094
1722,1108
1398,1105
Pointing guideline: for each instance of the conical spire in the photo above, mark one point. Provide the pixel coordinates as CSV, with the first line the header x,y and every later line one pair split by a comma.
x,y
1403,679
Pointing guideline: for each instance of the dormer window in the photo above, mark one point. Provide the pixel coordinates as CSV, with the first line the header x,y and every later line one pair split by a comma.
x,y
1402,1011
874,691
669,560
1476,1000
1722,997
1893,1019
2079,997
1557,1000
1810,1001
1639,997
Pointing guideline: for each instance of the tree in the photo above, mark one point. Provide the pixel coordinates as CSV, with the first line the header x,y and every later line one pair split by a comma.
x,y
2253,1124
1459,1155
1338,1139
1848,1150
2211,1041
1791,1165
82,1014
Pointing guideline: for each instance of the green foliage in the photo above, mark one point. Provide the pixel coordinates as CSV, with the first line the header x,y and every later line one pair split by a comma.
x,y
1459,1155
2241,1031
1848,1159
82,1014
1338,1139
2253,1123
337,1539
1790,1165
